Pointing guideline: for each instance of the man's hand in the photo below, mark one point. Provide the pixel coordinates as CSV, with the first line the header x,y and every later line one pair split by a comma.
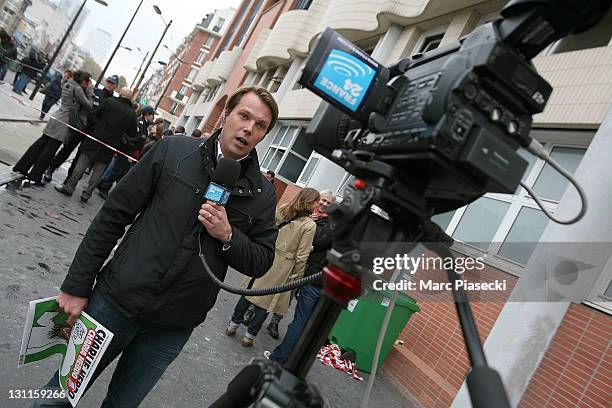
x,y
214,219
71,305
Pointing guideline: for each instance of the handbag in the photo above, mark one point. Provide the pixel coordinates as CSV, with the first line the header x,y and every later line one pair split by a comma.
x,y
77,120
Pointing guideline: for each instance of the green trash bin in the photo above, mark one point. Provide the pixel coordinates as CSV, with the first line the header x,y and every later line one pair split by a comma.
x,y
358,326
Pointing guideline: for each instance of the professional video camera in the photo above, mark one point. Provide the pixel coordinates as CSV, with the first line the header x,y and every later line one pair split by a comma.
x,y
427,135
449,121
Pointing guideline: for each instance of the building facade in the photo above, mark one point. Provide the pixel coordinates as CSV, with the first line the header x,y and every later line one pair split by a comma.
x,y
178,79
549,353
11,13
98,43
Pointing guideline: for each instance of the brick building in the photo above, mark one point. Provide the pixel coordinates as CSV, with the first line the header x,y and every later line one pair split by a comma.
x,y
193,52
548,353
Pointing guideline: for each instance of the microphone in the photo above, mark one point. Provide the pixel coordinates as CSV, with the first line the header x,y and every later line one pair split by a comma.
x,y
222,181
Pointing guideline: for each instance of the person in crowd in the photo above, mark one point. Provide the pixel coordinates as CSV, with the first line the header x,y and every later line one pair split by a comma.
x,y
179,131
8,52
53,92
74,138
114,117
169,131
30,67
76,93
196,133
296,232
120,165
205,135
308,295
154,291
156,133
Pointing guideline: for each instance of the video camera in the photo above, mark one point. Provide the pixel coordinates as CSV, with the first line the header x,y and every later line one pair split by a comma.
x,y
427,135
449,121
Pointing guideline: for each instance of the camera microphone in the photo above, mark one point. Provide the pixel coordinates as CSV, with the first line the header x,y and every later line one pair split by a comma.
x,y
222,181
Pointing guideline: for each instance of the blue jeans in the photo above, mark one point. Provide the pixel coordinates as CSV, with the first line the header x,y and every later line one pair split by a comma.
x,y
21,83
146,352
117,168
3,70
307,298
258,319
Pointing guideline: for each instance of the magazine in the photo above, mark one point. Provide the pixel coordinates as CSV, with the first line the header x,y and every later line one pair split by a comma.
x,y
81,346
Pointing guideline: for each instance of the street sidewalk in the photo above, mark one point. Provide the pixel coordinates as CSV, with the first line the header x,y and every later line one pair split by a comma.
x,y
41,231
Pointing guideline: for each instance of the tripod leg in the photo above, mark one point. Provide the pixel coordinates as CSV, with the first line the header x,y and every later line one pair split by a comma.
x,y
314,336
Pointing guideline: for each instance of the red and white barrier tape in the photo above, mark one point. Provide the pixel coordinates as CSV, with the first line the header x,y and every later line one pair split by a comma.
x,y
71,127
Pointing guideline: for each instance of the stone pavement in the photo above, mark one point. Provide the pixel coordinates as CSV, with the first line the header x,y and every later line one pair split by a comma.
x,y
41,230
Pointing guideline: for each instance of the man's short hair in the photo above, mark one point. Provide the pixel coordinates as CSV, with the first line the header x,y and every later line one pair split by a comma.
x,y
271,173
263,94
328,193
179,129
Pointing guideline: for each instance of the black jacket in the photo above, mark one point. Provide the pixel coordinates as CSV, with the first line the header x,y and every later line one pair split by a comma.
x,y
321,243
114,118
156,275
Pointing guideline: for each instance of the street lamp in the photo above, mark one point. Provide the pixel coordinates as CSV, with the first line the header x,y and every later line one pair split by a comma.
x,y
144,71
101,76
59,47
139,68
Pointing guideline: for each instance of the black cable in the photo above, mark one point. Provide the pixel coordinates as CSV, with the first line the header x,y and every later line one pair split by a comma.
x,y
256,292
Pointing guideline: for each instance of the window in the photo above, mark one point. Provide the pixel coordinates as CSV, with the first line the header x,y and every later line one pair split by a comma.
x,y
247,24
509,225
209,41
431,42
309,169
192,74
180,95
288,153
267,77
277,79
303,4
174,108
201,57
217,27
348,177
213,92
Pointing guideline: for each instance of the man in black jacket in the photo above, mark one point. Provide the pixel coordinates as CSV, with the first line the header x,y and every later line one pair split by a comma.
x,y
120,165
114,117
154,291
308,296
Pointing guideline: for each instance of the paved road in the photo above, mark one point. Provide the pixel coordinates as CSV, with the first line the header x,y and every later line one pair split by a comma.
x,y
41,230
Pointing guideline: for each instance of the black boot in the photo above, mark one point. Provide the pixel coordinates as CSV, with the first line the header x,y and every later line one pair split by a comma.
x,y
273,330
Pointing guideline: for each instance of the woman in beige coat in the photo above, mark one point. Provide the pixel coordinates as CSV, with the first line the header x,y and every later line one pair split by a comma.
x,y
293,245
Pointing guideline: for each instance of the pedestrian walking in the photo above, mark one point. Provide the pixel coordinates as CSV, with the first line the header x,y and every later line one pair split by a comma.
x,y
74,138
307,296
30,67
114,117
76,96
53,92
296,232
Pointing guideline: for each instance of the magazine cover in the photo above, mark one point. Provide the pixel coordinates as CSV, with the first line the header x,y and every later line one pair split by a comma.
x,y
81,346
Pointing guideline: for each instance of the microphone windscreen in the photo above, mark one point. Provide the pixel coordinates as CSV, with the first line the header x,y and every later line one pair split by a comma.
x,y
226,173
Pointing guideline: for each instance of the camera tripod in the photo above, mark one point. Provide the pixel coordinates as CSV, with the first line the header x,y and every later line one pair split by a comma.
x,y
264,383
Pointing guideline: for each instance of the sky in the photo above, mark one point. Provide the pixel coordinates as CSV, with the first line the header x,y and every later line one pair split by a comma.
x,y
146,29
